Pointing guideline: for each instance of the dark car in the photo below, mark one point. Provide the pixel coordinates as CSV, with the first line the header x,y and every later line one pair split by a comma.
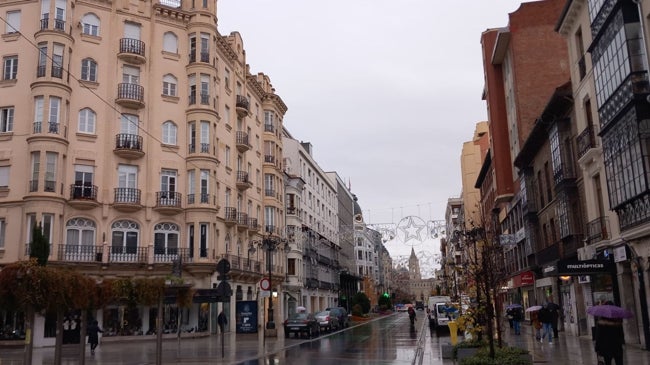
x,y
327,320
341,314
419,305
299,323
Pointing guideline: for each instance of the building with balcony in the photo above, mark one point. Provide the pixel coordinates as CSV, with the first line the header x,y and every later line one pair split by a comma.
x,y
611,110
313,211
136,134
523,64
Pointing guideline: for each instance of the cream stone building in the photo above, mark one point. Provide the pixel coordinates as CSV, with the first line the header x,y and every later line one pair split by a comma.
x,y
136,134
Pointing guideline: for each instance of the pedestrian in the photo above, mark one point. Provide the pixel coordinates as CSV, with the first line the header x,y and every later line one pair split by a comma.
x,y
93,336
510,317
546,318
537,325
411,312
555,315
517,317
609,340
222,320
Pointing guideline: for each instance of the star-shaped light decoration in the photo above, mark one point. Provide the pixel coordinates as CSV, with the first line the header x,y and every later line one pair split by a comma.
x,y
411,229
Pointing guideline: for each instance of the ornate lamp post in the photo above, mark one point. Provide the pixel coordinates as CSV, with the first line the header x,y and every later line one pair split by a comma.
x,y
270,244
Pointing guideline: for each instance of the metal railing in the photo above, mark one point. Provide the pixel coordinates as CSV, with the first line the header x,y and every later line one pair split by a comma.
x,y
241,138
134,46
128,253
242,177
80,253
127,195
125,141
242,102
598,230
170,199
586,140
230,214
83,192
269,128
130,92
170,254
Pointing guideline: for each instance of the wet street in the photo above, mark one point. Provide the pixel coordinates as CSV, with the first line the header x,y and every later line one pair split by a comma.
x,y
385,340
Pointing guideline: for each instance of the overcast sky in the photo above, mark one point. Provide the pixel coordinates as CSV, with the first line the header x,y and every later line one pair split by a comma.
x,y
386,91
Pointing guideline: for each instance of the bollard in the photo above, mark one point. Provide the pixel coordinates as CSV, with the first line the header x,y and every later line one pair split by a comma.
x,y
453,332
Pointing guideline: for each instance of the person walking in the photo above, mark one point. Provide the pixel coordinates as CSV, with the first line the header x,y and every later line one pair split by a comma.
x,y
537,325
546,318
93,336
411,312
517,317
222,320
609,340
555,315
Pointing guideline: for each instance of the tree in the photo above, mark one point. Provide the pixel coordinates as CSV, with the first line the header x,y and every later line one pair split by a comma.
x,y
483,256
39,248
362,299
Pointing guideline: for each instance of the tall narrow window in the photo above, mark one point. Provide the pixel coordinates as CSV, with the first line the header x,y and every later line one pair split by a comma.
x,y
205,174
132,31
3,229
57,60
6,119
54,114
38,114
50,171
191,135
205,89
36,167
191,185
227,79
227,157
205,136
127,183
59,14
192,54
4,177
166,239
129,124
203,240
10,70
192,90
205,47
190,239
42,59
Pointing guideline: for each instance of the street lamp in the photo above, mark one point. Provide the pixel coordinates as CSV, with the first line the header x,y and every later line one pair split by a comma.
x,y
270,244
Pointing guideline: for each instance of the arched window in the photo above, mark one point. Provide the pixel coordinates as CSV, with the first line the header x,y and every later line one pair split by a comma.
x,y
80,235
169,133
169,85
87,119
170,42
166,239
90,23
124,239
89,70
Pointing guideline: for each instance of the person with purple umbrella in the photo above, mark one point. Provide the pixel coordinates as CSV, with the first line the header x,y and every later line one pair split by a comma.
x,y
609,339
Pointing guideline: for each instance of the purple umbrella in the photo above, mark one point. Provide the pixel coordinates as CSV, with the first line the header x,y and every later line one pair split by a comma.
x,y
609,311
513,306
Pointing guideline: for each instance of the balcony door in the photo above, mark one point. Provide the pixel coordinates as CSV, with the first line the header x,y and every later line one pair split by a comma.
x,y
83,182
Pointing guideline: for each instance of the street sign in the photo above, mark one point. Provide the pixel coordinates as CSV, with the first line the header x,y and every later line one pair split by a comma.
x,y
265,284
265,293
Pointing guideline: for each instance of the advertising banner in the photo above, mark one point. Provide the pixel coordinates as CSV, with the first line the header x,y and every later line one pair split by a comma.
x,y
246,315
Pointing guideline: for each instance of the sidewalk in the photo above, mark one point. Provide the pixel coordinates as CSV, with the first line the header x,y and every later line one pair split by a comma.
x,y
567,349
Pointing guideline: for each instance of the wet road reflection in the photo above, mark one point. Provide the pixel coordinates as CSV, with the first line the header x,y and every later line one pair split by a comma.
x,y
387,340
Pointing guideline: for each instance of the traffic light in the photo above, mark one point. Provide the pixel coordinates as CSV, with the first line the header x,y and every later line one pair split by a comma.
x,y
386,295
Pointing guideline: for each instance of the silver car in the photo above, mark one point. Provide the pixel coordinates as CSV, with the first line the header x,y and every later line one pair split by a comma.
x,y
327,320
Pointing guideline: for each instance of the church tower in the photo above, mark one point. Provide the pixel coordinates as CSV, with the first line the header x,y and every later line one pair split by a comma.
x,y
414,266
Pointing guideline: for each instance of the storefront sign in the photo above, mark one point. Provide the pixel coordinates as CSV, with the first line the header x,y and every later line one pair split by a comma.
x,y
527,278
246,314
620,254
520,235
583,267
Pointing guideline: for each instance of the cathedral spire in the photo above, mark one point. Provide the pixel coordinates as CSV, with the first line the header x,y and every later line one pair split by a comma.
x,y
414,266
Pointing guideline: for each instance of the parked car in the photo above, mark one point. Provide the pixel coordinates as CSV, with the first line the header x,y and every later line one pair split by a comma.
x,y
327,320
299,323
341,314
419,305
